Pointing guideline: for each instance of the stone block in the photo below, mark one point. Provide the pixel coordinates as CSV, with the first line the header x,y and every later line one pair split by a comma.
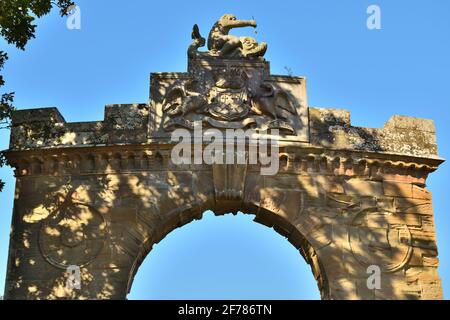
x,y
394,189
329,184
419,206
363,187
420,193
411,123
50,115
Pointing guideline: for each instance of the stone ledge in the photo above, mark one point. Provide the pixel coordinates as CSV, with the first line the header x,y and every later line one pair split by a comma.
x,y
410,123
293,160
49,114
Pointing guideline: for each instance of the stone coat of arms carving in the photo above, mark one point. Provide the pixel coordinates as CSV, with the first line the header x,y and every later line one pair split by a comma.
x,y
229,86
229,96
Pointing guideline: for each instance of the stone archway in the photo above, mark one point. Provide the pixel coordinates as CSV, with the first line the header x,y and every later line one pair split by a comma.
x,y
96,195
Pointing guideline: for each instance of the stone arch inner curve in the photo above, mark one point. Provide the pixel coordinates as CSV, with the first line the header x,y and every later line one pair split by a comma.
x,y
279,224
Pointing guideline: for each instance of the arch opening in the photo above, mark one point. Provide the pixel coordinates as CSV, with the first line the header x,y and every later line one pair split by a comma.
x,y
200,260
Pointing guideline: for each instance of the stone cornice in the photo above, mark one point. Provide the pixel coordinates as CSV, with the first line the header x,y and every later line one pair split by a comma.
x,y
148,157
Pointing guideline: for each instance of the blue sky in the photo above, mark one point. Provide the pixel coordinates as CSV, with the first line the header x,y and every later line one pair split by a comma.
x,y
401,69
